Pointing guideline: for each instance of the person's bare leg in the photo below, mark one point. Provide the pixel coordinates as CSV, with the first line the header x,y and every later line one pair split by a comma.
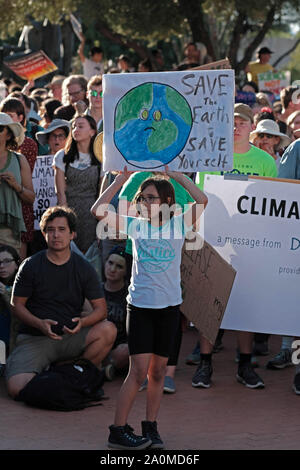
x,y
138,367
99,341
170,371
205,346
245,341
156,375
120,356
17,382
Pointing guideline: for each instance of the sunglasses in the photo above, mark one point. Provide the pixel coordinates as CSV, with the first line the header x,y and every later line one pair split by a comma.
x,y
268,136
96,93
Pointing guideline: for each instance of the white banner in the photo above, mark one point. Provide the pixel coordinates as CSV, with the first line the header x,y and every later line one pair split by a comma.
x,y
44,188
254,225
181,119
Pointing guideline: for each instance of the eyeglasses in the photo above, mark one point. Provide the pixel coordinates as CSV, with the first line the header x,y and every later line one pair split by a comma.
x,y
6,261
58,136
96,93
149,199
75,93
268,136
2,129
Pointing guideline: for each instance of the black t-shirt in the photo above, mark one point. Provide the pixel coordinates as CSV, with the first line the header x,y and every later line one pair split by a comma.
x,y
116,311
55,291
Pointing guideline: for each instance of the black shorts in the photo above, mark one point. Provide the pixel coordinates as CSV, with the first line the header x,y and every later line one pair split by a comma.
x,y
152,330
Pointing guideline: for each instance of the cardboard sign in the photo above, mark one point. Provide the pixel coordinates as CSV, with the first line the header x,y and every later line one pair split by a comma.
x,y
254,225
206,285
218,65
274,82
181,119
44,188
31,66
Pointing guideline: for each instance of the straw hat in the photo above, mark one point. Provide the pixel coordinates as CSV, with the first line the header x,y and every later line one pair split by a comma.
x,y
268,126
98,142
15,127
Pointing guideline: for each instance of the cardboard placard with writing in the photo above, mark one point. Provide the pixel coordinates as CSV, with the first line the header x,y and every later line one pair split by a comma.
x,y
31,66
44,187
206,280
218,65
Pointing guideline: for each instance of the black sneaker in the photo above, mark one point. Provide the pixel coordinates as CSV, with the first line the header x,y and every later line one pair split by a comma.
x,y
202,377
149,430
296,384
247,376
122,437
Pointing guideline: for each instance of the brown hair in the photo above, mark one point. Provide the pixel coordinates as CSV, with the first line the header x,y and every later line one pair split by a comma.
x,y
59,211
286,95
13,105
164,188
96,80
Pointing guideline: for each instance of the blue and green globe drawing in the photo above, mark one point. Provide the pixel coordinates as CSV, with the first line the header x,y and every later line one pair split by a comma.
x,y
152,125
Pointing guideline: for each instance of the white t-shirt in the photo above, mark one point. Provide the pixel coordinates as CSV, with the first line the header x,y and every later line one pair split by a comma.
x,y
155,280
91,68
82,163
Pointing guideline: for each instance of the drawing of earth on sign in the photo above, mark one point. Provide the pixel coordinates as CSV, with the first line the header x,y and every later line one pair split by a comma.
x,y
152,125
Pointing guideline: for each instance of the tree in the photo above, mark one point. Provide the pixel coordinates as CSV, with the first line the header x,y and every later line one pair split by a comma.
x,y
134,24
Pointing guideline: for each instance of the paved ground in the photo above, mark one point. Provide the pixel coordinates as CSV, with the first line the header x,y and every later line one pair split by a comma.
x,y
227,416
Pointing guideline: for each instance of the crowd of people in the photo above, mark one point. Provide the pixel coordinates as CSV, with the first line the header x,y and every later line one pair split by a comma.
x,y
53,302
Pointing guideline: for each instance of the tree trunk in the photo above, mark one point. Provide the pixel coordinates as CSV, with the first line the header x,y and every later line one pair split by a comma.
x,y
286,53
256,41
193,12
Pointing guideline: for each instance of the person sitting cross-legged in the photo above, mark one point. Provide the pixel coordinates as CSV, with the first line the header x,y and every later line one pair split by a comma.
x,y
48,296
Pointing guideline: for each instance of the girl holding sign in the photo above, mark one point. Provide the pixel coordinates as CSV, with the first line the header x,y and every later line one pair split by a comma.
x,y
154,296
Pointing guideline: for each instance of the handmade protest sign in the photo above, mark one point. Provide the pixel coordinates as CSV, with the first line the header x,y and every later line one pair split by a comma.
x,y
274,82
31,66
180,119
206,280
217,65
254,225
44,188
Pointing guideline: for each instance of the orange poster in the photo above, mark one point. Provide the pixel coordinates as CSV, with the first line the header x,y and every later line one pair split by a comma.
x,y
31,66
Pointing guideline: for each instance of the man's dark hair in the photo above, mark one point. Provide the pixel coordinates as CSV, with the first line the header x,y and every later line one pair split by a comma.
x,y
286,95
95,50
13,105
59,211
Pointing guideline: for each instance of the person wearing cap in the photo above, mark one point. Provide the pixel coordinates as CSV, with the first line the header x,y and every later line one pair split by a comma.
x,y
93,65
261,65
267,136
15,182
55,135
249,160
29,148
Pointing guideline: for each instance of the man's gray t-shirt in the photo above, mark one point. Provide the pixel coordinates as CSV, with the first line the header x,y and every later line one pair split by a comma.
x,y
56,292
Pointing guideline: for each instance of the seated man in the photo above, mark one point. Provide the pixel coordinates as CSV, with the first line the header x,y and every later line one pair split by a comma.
x,y
48,297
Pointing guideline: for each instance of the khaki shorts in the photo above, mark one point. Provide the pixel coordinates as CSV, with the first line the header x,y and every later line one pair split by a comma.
x,y
33,354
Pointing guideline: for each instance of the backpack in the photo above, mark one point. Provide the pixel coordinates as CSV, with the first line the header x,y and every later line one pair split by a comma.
x,y
69,386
